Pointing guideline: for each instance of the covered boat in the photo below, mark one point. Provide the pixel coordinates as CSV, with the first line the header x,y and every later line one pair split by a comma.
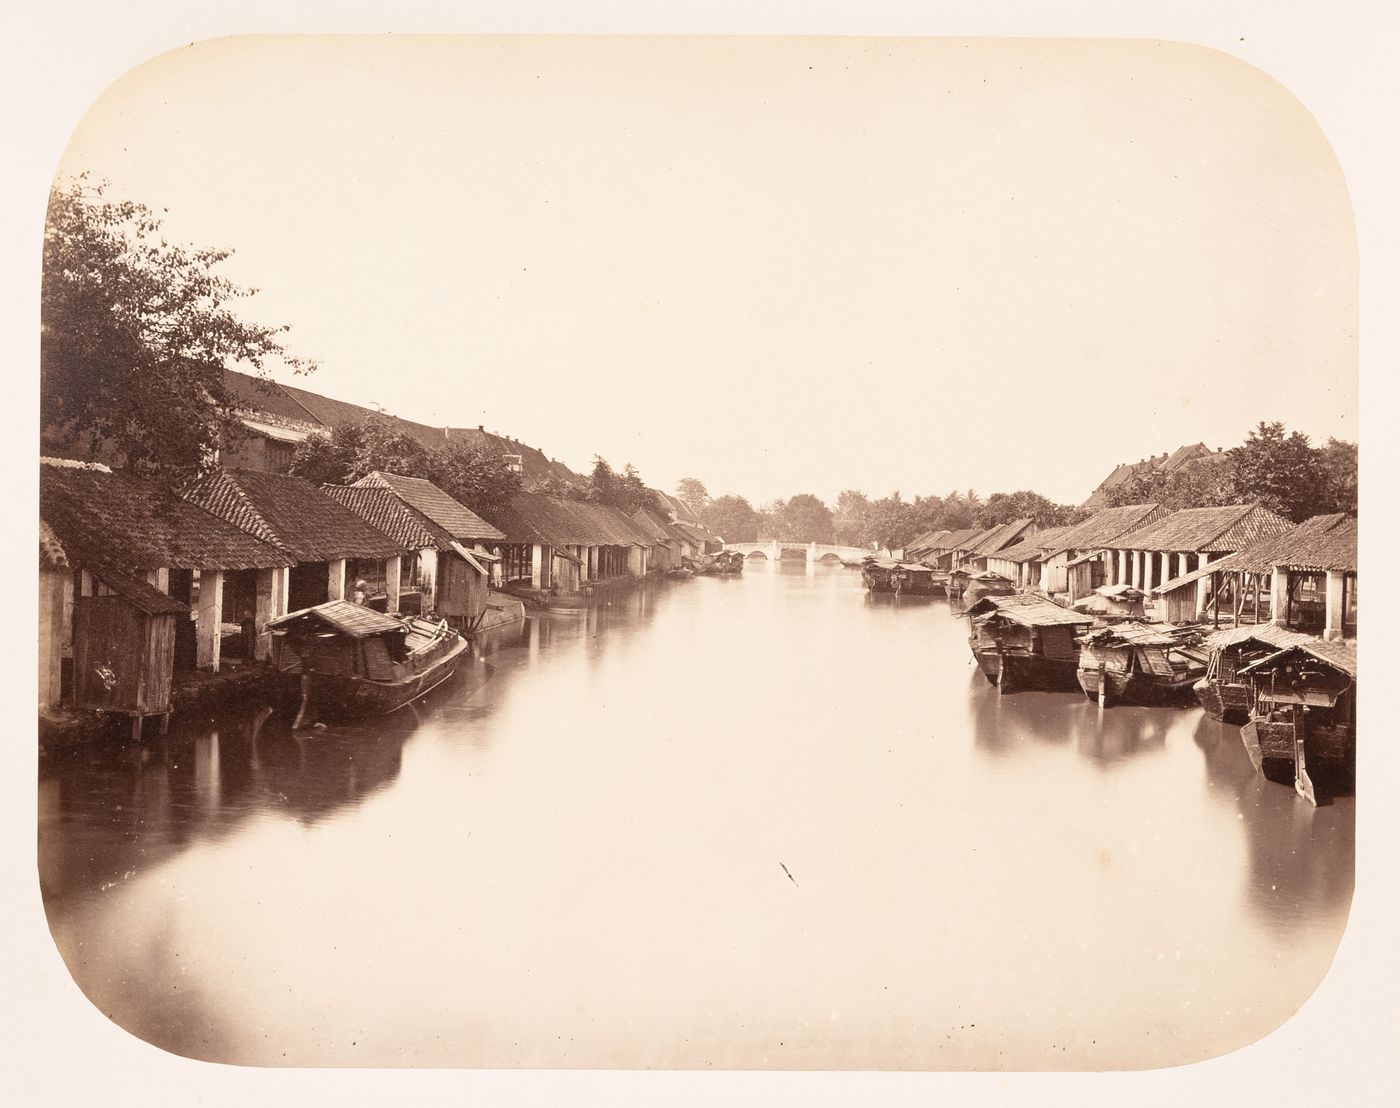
x,y
729,561
907,578
1112,604
1024,641
1141,663
986,583
955,583
1224,692
1304,721
356,661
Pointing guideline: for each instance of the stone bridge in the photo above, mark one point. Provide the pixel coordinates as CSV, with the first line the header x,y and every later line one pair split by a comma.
x,y
811,552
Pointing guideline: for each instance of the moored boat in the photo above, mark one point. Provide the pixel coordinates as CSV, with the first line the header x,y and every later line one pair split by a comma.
x,y
955,583
1147,664
986,583
356,661
1024,641
1303,725
903,578
1113,604
1224,692
729,561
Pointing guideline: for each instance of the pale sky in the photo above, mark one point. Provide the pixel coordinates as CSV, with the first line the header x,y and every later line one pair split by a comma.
x,y
778,265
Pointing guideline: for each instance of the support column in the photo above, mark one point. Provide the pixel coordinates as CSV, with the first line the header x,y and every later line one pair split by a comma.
x,y
1336,584
51,597
536,566
593,563
1202,586
1181,570
1166,568
635,563
775,551
209,625
1278,596
1137,569
812,553
271,603
393,570
427,578
335,580
581,553
1122,577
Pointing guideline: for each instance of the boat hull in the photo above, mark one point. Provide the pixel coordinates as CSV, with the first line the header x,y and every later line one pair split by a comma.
x,y
1229,703
1328,748
347,697
1019,672
1144,690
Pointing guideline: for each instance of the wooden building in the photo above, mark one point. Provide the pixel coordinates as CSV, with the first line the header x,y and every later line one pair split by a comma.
x,y
1163,549
666,543
1080,559
117,532
1304,578
330,547
990,542
1022,563
453,572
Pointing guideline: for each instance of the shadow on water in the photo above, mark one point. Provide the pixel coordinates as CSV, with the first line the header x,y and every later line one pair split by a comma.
x,y
110,811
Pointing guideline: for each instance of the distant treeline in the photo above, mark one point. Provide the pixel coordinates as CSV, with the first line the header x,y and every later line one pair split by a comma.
x,y
1278,469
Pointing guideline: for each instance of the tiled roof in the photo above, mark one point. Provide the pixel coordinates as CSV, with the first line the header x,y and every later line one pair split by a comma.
x,y
536,468
1207,530
125,523
140,593
1028,550
1029,609
558,521
424,496
1107,524
292,514
1000,537
653,527
1124,471
256,394
1316,545
386,511
1271,634
51,554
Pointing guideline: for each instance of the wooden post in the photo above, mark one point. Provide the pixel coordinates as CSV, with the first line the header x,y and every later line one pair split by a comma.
x,y
51,616
537,566
209,624
1137,569
1204,585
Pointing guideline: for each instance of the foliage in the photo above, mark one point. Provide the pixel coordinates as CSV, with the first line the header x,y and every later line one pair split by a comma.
x,y
471,474
803,518
136,333
851,518
891,523
1003,507
625,491
733,518
691,492
1278,469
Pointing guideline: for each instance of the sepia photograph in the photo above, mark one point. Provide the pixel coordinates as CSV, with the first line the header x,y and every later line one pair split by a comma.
x,y
709,552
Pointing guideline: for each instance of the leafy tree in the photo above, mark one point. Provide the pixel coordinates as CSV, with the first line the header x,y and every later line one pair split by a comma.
x,y
734,518
473,475
804,518
960,510
1339,476
1003,507
625,491
1279,470
136,333
891,522
851,518
691,492
326,459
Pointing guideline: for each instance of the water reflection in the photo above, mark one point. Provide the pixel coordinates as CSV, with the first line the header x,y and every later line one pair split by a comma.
x,y
577,852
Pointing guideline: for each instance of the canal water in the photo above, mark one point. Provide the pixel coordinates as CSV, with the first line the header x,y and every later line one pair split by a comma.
x,y
727,823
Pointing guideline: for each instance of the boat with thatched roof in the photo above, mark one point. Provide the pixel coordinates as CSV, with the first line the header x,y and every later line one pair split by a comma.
x,y
1224,692
986,583
901,578
1148,664
354,661
1024,641
1303,725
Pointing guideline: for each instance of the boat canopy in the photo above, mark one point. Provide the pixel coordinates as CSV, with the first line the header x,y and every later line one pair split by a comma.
x,y
343,616
1029,610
